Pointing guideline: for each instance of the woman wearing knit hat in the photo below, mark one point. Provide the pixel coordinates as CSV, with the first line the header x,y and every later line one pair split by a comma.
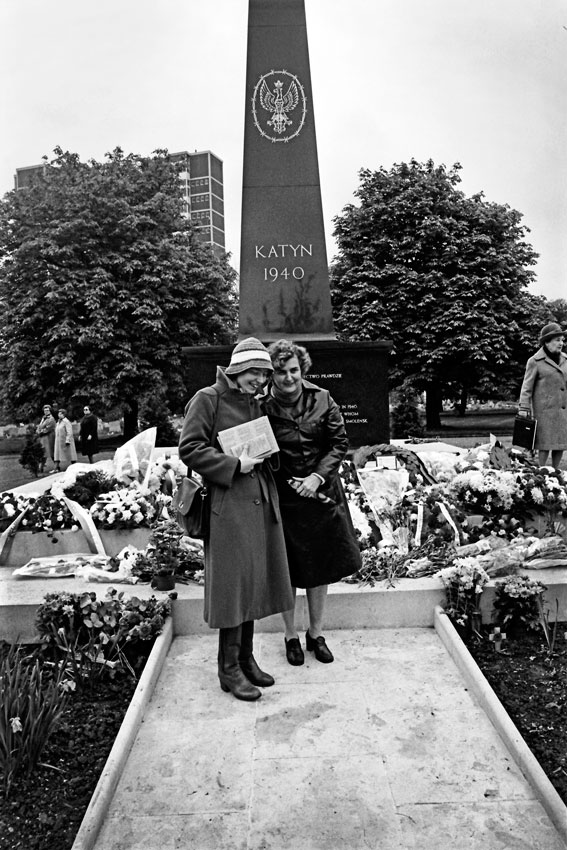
x,y
544,394
246,571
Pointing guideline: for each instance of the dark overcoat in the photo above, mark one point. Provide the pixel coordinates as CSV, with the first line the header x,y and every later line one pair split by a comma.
x,y
89,428
321,542
544,393
246,571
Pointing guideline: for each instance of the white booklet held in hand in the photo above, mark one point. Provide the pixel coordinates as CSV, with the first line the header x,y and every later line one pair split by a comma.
x,y
257,436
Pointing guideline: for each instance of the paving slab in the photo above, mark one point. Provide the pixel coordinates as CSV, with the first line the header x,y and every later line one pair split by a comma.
x,y
385,748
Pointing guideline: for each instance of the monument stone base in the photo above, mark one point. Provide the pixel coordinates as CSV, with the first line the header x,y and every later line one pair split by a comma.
x,y
355,373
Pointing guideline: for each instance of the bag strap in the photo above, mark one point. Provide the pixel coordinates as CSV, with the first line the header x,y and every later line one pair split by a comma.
x,y
215,430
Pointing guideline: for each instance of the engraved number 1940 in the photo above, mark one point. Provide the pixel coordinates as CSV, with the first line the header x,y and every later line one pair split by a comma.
x,y
273,273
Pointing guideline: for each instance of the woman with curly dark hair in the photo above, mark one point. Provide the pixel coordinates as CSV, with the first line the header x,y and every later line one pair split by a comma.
x,y
320,539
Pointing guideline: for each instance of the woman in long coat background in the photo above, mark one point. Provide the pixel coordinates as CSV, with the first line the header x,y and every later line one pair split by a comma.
x,y
65,451
46,433
246,571
544,395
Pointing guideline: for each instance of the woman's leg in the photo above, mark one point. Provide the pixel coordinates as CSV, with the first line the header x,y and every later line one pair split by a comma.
x,y
556,458
289,619
293,650
316,599
542,457
314,640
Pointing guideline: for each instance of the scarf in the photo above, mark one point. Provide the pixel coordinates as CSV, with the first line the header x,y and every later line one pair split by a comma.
x,y
553,355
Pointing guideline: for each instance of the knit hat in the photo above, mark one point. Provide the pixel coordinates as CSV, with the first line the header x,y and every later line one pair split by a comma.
x,y
249,354
549,331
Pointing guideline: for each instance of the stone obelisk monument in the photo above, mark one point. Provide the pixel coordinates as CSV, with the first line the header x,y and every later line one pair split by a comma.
x,y
284,279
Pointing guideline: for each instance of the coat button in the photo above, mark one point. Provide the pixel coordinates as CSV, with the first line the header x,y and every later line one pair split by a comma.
x,y
256,501
252,475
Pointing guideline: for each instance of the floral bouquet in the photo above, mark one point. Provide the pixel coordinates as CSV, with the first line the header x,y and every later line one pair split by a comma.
x,y
517,602
132,507
430,514
166,473
464,582
46,513
541,490
485,491
10,506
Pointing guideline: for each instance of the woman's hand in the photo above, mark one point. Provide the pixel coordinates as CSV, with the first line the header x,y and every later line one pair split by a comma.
x,y
248,463
307,487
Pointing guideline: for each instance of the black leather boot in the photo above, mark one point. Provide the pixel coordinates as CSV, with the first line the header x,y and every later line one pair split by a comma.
x,y
231,676
248,662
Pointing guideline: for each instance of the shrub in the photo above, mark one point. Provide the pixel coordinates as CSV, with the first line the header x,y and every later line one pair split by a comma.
x,y
31,703
32,457
406,421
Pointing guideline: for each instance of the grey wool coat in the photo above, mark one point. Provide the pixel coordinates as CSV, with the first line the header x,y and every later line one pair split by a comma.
x,y
246,570
544,393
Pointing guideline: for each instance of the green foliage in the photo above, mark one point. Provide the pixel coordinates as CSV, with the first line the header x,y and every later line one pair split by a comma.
x,y
31,703
100,635
89,485
558,309
102,281
32,457
406,421
443,275
517,602
167,554
155,412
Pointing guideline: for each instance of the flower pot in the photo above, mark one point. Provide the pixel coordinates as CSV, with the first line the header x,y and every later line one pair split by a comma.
x,y
163,582
114,540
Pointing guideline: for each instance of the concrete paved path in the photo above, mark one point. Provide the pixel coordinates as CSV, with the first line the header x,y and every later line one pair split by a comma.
x,y
384,749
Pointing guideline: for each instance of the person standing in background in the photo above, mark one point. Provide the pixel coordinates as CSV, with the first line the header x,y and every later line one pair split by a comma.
x,y
544,395
46,433
64,441
88,433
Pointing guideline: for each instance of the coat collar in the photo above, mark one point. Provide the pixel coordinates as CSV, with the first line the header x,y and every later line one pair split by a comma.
x,y
541,355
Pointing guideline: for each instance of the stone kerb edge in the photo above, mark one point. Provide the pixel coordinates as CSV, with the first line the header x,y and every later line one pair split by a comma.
x,y
102,797
498,716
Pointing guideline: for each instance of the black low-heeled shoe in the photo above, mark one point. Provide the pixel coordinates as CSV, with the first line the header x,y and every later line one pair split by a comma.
x,y
294,652
319,647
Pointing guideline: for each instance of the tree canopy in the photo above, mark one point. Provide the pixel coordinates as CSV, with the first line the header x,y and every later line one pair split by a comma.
x,y
102,282
443,275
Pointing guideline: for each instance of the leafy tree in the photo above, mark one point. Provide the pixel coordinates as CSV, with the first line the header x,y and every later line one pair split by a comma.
x,y
442,275
558,308
102,281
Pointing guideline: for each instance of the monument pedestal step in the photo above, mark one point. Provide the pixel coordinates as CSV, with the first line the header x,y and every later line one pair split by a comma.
x,y
410,603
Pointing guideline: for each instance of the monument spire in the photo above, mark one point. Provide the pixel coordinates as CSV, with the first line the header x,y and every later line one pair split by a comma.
x,y
284,278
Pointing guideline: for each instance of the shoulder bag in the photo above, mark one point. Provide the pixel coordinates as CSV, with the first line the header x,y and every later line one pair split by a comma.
x,y
191,502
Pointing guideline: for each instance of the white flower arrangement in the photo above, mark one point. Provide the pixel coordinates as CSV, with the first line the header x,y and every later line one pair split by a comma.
x,y
485,489
132,507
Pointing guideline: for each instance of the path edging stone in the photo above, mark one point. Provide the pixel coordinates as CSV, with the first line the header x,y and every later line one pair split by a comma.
x,y
102,797
500,719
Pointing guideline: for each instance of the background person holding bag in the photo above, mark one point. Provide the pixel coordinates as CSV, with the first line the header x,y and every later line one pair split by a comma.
x,y
246,571
544,395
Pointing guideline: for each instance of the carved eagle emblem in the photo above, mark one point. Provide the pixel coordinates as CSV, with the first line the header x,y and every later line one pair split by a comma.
x,y
279,104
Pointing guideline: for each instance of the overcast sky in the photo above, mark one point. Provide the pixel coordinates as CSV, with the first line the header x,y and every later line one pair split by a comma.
x,y
480,82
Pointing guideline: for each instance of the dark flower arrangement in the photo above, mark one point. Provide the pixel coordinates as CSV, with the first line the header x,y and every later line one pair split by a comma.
x,y
89,485
46,513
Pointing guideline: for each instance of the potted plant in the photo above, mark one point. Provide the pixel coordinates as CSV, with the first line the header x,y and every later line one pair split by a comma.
x,y
464,581
162,556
